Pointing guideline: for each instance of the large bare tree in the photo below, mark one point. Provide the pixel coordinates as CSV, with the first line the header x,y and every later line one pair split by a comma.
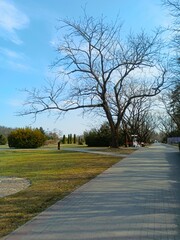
x,y
140,120
100,71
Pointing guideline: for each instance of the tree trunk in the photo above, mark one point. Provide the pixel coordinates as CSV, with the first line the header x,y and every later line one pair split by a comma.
x,y
114,138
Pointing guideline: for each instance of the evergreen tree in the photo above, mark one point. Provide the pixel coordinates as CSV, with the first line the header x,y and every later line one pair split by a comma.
x,y
74,139
64,139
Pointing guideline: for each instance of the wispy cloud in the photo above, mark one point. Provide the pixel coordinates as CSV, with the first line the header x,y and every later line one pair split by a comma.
x,y
18,66
11,20
13,59
11,54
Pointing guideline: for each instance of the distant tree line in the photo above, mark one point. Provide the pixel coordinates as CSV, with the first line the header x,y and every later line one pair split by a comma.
x,y
101,137
34,137
138,121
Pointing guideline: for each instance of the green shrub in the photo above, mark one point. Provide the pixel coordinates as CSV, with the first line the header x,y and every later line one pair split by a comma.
x,y
3,140
26,138
98,138
101,137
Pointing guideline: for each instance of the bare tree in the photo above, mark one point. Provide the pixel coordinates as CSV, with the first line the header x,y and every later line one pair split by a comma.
x,y
172,99
174,6
174,10
139,120
166,124
175,105
100,71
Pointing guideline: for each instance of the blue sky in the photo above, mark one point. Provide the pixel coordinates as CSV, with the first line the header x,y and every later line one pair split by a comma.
x,y
27,33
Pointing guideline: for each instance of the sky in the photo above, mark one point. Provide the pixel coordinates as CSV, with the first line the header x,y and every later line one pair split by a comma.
x,y
28,30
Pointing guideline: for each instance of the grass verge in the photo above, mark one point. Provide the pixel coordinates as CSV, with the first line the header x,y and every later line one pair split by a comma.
x,y
53,174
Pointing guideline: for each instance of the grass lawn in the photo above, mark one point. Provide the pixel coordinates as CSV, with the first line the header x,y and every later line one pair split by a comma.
x,y
53,174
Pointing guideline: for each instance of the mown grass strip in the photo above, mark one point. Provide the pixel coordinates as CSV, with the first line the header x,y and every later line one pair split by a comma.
x,y
53,174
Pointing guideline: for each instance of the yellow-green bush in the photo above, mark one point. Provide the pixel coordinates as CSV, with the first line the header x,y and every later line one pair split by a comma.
x,y
26,138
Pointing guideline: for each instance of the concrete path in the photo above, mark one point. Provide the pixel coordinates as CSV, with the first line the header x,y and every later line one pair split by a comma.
x,y
136,199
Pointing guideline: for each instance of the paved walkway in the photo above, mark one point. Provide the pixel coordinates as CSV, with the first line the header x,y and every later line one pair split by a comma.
x,y
136,199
